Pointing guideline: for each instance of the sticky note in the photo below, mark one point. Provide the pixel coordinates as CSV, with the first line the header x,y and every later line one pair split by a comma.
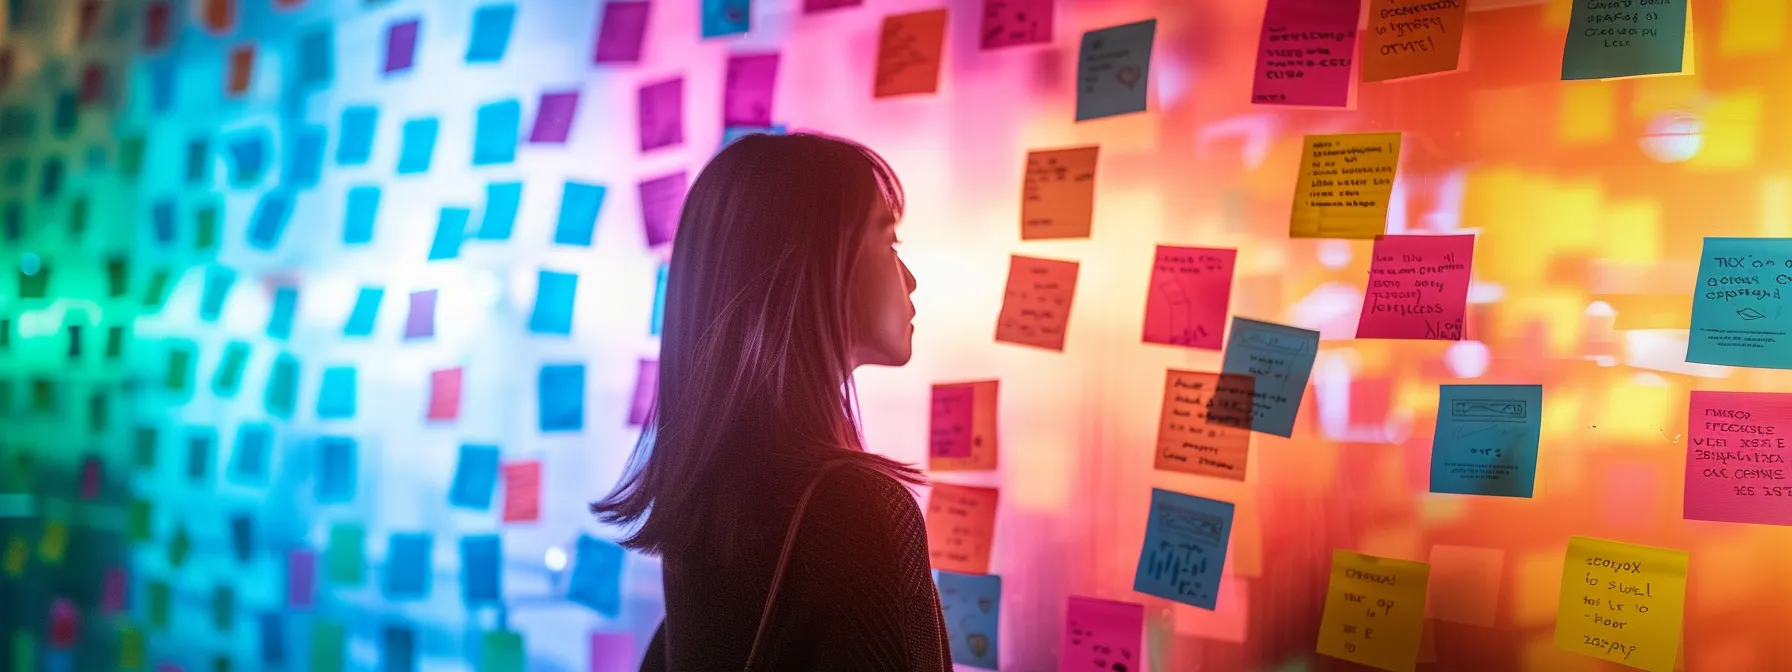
x,y
301,579
1374,611
366,312
522,492
158,598
909,51
621,32
223,608
1036,303
747,89
1010,23
273,638
726,17
198,160
1739,315
248,152
962,428
162,75
502,201
336,467
491,33
554,295
336,396
451,231
475,477
1190,293
647,377
280,312
1278,359
417,145
242,68
972,606
218,281
596,580
141,517
1113,70
659,112
18,553
200,446
1344,185
1187,441
444,395
92,477
156,17
65,116
205,227
502,652
283,386
219,16
482,559
1304,53
401,45
345,557
961,527
1619,40
613,652
814,6
398,648
1058,193
317,56
1465,584
409,569
659,300
249,459
553,117
1486,440
179,372
329,646
1418,288
1102,635
496,127
1622,602
54,545
579,205
560,394
115,595
1184,549
420,320
269,220
1736,456
662,201
52,177
354,134
131,648
1407,38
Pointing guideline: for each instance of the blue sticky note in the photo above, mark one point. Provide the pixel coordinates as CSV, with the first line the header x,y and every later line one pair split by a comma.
x,y
161,220
248,152
249,459
417,145
726,17
52,177
659,301
66,115
366,311
554,296
161,74
475,477
336,469
560,394
218,281
199,160
268,223
273,638
317,56
481,562
1486,439
354,142
305,158
398,650
1105,53
1277,359
286,303
1185,548
496,127
579,205
363,208
1739,315
283,386
451,231
200,445
596,580
336,396
409,566
242,537
491,33
972,605
502,200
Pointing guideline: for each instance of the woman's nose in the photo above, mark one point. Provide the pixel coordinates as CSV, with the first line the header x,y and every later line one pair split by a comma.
x,y
908,277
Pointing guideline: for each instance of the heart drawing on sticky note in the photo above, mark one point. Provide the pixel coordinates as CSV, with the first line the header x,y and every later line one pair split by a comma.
x,y
1128,75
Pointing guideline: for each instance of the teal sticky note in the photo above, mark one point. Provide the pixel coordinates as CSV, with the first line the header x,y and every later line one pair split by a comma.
x,y
596,580
144,440
354,135
475,477
1184,549
268,222
554,294
491,33
1486,439
972,606
1739,315
579,205
317,56
65,115
199,160
1105,54
242,537
248,153
336,396
398,649
502,651
249,458
218,281
1277,359
502,200
1623,40
162,80
155,292
482,569
305,157
496,128
659,300
201,443
366,311
52,177
361,211
451,231
280,314
329,646
417,145
161,220
283,387
409,566
345,558
560,397
337,469
229,377
178,376
726,17
223,608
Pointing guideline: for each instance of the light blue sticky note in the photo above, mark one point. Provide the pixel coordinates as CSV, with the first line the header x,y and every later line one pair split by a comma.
x,y
283,386
249,459
161,220
361,211
280,316
579,205
560,394
354,142
409,566
972,606
366,311
417,145
1739,315
482,569
659,301
248,152
317,56
1185,548
1486,439
268,223
305,157
218,281
337,468
554,296
596,580
727,17
491,33
1278,360
496,128
1113,68
336,396
502,200
161,75
451,231
475,477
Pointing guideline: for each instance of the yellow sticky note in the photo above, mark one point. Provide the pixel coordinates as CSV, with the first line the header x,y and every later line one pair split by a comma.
x,y
1623,603
1374,611
1344,186
55,542
18,551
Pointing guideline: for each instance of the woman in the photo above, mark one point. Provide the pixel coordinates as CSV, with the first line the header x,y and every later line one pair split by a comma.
x,y
786,546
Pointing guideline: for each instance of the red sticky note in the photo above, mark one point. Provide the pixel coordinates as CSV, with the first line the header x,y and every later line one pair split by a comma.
x,y
87,19
116,595
647,383
1418,288
1305,51
1102,635
621,32
93,83
522,492
1465,584
219,15
90,477
747,90
963,427
961,526
444,394
659,112
1036,304
242,67
301,579
65,623
155,24
909,53
1736,457
1191,290
1009,23
8,61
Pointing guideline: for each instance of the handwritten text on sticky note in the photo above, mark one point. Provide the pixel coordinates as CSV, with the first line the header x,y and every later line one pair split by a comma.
x,y
1278,360
1486,440
1615,39
962,431
1374,611
1102,635
1739,310
1187,441
1191,289
1304,53
1344,185
1058,194
908,53
961,523
1408,38
1036,304
1418,288
1736,457
1622,602
1184,549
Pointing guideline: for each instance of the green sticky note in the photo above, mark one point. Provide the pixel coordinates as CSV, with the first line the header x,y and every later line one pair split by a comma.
x,y
24,650
502,652
221,664
1606,41
114,342
130,648
77,217
156,292
205,227
130,155
139,520
143,447
99,412
159,595
283,386
179,546
345,559
230,370
223,608
179,375
328,640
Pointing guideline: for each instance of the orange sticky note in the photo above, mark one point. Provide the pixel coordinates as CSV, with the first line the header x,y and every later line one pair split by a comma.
x,y
219,15
444,394
1036,305
242,68
1191,288
1186,442
522,492
1465,584
908,53
961,524
1058,193
1407,38
962,431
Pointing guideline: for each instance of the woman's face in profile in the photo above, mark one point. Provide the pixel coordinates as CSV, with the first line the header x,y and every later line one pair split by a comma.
x,y
883,313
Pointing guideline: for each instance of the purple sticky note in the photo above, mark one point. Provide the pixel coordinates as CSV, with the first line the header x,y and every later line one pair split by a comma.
x,y
747,90
301,579
647,384
613,652
553,117
117,588
662,199
421,322
621,32
660,113
401,45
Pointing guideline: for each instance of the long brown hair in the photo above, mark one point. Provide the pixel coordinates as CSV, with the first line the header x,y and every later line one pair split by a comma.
x,y
754,366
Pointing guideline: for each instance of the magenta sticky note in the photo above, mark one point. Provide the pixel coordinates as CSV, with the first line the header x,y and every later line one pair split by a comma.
x,y
1736,456
621,32
1102,635
1305,52
613,652
950,426
1191,290
301,579
647,385
553,117
90,477
747,90
117,589
401,45
1008,23
1418,288
421,321
662,199
659,113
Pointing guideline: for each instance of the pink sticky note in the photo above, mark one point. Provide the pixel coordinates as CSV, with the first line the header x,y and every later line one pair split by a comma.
x,y
1418,288
747,90
553,117
813,6
950,427
444,394
65,623
613,652
621,32
647,382
1464,585
659,111
1008,23
1102,635
1736,457
116,596
662,199
301,579
90,477
522,491
1305,51
421,321
1191,290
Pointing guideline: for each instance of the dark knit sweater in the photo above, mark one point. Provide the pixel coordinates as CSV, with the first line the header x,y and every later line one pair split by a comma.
x,y
857,592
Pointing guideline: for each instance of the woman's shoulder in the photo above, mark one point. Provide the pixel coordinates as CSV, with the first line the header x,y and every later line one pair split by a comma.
x,y
862,489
